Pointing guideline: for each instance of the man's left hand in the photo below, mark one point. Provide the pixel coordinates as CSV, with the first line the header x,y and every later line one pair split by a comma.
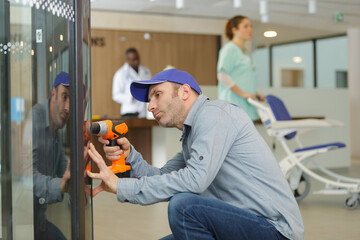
x,y
109,179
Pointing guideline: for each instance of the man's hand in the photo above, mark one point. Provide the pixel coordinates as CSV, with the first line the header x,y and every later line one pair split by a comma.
x,y
109,179
65,183
113,153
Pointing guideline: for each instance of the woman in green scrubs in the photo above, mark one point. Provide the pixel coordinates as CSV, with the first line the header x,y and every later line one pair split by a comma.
x,y
236,70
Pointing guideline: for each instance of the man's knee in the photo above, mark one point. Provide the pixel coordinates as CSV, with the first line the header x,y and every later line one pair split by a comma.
x,y
177,204
178,201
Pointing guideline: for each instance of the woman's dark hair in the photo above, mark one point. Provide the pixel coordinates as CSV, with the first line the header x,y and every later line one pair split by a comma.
x,y
233,23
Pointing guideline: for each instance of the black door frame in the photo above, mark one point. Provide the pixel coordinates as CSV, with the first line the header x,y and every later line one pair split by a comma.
x,y
5,111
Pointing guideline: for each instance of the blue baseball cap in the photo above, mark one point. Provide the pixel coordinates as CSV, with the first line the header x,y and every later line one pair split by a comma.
x,y
140,89
62,78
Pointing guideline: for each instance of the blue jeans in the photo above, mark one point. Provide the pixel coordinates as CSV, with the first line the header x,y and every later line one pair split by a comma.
x,y
194,217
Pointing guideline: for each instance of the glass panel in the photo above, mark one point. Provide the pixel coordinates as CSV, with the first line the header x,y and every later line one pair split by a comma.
x,y
293,65
332,62
261,59
19,53
34,54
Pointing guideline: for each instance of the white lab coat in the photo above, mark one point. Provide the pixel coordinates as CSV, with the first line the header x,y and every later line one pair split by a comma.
x,y
121,89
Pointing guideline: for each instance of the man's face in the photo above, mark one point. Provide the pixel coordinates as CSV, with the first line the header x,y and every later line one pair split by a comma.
x,y
133,60
165,104
60,106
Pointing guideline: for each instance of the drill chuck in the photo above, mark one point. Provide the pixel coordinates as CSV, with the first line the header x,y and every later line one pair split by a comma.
x,y
98,128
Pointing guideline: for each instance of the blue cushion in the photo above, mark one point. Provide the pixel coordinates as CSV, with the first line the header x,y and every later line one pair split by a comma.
x,y
334,145
280,112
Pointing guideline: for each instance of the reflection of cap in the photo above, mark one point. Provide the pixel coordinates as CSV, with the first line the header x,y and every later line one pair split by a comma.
x,y
140,89
62,78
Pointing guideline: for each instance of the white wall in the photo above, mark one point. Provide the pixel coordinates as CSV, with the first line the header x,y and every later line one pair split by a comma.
x,y
282,59
354,87
261,58
331,57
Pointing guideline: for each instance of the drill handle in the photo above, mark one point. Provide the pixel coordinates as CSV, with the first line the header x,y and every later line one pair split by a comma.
x,y
112,142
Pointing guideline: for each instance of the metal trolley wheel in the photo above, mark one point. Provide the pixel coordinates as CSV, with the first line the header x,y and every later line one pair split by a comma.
x,y
303,189
350,203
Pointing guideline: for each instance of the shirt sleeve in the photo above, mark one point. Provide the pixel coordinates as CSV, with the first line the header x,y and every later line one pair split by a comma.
x,y
140,168
118,88
225,79
208,152
226,60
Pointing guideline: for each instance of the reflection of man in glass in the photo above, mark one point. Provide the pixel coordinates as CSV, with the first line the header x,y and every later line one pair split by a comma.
x,y
51,169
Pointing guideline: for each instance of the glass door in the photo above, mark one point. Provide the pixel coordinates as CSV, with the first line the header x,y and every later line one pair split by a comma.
x,y
45,101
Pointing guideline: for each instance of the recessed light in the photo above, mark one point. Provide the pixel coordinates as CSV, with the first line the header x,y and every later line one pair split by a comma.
x,y
270,34
297,59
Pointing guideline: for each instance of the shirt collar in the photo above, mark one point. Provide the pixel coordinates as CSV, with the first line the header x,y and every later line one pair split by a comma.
x,y
132,70
195,109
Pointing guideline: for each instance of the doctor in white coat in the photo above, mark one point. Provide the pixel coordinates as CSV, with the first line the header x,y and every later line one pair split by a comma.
x,y
131,71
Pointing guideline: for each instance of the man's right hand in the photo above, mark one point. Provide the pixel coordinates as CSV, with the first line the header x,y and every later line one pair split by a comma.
x,y
113,153
65,183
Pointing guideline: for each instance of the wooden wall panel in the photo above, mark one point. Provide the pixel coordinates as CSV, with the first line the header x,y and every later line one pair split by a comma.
x,y
196,54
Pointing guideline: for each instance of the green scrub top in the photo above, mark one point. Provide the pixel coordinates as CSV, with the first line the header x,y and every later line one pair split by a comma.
x,y
240,67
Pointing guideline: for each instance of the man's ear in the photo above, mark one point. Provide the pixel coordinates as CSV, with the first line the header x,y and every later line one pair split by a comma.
x,y
186,90
53,92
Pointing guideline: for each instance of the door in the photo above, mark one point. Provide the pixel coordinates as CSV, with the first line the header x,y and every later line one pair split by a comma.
x,y
45,101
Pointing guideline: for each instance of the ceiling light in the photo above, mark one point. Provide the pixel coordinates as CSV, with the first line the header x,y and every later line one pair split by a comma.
x,y
237,3
263,7
265,18
312,6
297,59
270,34
180,4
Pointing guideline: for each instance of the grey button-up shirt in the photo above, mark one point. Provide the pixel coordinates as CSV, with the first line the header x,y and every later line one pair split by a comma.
x,y
224,157
49,163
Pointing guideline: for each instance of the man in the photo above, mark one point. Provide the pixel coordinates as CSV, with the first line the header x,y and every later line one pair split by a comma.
x,y
224,184
51,169
131,71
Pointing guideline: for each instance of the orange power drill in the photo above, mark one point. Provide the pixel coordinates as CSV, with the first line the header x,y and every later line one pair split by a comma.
x,y
111,131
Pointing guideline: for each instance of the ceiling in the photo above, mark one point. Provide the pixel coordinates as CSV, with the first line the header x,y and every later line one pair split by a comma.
x,y
290,18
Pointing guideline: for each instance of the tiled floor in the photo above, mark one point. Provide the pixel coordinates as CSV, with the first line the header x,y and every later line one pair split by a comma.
x,y
325,217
